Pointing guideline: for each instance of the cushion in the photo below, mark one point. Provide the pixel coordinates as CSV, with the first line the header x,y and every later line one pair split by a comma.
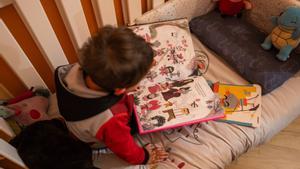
x,y
28,107
238,43
260,15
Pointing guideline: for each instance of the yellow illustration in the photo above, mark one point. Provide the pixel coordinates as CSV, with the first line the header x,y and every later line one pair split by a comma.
x,y
237,98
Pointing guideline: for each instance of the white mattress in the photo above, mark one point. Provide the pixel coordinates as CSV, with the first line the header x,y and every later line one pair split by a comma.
x,y
216,144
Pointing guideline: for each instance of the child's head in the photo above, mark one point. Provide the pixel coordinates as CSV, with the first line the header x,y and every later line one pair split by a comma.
x,y
48,145
116,58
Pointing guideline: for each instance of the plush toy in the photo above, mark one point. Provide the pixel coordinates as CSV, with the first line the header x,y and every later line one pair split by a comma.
x,y
286,35
27,108
233,7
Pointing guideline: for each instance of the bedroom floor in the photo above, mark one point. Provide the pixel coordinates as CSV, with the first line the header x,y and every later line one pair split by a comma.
x,y
283,151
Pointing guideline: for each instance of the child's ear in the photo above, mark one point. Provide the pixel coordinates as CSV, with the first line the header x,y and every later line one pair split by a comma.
x,y
119,91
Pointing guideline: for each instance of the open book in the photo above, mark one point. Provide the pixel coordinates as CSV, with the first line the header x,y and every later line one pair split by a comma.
x,y
173,94
175,103
242,103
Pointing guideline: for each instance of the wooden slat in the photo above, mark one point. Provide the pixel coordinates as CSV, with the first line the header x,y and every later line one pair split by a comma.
x,y
74,19
4,3
6,132
106,11
35,18
60,30
16,59
144,6
119,12
156,3
90,16
7,164
134,10
4,93
18,56
5,136
10,80
11,158
125,11
149,5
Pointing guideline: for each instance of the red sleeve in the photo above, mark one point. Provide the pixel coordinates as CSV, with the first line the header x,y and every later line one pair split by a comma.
x,y
116,135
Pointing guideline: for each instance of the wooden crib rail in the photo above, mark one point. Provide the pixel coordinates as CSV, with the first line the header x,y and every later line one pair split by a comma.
x,y
36,36
9,158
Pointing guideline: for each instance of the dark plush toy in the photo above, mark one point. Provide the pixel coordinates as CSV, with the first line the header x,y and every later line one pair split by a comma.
x,y
48,145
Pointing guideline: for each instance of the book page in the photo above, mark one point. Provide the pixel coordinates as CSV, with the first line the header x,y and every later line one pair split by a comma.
x,y
242,103
174,51
175,103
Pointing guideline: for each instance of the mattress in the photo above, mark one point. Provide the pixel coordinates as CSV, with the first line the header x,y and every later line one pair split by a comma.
x,y
212,144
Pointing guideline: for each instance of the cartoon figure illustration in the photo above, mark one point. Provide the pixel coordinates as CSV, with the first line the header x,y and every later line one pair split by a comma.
x,y
153,122
175,54
199,63
168,104
175,92
150,96
139,91
151,105
151,75
232,102
159,87
166,70
170,113
180,83
176,112
175,74
167,85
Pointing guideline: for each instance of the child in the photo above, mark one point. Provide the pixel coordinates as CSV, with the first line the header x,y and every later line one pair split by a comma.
x,y
92,95
48,145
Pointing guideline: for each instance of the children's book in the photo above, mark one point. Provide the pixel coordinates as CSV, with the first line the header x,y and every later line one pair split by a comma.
x,y
175,57
175,103
242,103
172,93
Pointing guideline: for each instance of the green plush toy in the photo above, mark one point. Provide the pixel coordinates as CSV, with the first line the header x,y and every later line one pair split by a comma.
x,y
286,35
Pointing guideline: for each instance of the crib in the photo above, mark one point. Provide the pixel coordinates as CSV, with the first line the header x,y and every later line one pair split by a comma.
x,y
37,36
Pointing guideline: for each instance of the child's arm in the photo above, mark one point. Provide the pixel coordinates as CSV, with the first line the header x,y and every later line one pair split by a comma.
x,y
116,135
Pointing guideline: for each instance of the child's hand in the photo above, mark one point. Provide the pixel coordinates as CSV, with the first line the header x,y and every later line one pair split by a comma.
x,y
156,154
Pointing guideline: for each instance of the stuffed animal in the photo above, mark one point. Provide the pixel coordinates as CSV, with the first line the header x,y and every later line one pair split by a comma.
x,y
233,7
27,108
286,35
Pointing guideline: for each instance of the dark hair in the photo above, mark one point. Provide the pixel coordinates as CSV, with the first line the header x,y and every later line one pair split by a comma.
x,y
116,58
48,145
